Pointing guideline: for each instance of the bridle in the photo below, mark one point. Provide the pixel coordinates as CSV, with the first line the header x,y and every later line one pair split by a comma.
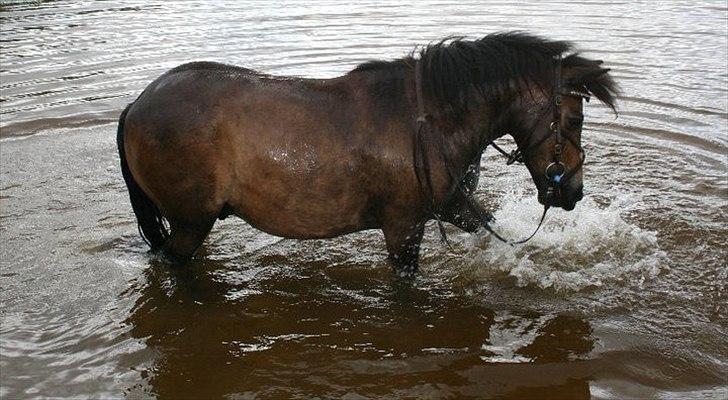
x,y
555,172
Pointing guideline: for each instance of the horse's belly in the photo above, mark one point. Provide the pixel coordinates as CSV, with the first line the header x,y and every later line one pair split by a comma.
x,y
303,216
304,204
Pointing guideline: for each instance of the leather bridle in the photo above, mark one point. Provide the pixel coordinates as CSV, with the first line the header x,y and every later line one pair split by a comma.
x,y
555,172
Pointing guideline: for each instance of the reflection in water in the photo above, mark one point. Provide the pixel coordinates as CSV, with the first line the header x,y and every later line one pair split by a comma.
x,y
560,339
315,332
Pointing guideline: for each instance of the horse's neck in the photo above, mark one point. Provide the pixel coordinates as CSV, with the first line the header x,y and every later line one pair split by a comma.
x,y
501,118
462,146
458,144
484,124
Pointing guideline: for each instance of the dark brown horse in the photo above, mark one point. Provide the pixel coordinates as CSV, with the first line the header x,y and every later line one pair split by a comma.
x,y
389,145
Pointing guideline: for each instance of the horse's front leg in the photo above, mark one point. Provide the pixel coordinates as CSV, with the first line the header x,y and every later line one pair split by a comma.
x,y
465,212
403,244
462,210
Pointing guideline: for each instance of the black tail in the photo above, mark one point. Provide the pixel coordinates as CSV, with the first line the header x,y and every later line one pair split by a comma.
x,y
149,219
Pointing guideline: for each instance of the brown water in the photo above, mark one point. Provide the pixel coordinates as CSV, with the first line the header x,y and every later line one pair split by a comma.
x,y
624,297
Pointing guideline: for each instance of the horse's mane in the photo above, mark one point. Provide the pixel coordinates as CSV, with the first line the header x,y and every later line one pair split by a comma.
x,y
452,68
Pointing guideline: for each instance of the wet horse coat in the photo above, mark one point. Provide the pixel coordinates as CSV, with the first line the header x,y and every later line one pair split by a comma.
x,y
318,158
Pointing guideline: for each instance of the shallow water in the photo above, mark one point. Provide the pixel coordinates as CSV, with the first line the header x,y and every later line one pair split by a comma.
x,y
624,297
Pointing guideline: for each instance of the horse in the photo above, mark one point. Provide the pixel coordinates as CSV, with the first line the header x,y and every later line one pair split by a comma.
x,y
389,145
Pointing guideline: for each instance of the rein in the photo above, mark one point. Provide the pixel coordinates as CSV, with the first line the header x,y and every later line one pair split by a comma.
x,y
555,171
421,159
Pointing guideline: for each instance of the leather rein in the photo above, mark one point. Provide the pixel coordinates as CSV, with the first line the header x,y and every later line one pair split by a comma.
x,y
555,172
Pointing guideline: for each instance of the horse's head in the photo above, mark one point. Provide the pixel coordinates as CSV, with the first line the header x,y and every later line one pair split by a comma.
x,y
521,84
549,129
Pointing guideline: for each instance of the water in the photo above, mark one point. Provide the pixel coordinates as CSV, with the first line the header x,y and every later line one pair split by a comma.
x,y
623,297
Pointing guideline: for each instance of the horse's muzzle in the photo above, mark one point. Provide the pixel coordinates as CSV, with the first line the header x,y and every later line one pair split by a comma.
x,y
563,197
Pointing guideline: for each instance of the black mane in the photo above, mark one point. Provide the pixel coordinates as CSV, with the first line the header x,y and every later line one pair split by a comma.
x,y
454,67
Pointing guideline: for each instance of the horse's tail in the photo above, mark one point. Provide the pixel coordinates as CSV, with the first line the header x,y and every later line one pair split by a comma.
x,y
149,219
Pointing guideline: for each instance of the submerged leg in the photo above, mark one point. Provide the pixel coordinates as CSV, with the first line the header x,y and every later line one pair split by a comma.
x,y
403,245
184,240
465,213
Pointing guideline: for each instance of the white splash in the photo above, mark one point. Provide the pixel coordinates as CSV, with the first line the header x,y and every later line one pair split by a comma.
x,y
587,247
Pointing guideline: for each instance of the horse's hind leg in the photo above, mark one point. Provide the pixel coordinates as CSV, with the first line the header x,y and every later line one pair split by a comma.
x,y
185,239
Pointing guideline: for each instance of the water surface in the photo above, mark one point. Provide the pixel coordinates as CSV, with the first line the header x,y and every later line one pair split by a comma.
x,y
624,297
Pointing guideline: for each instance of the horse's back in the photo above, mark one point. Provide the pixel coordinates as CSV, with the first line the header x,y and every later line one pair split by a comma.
x,y
202,97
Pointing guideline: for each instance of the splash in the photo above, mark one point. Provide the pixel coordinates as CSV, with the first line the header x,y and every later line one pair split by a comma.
x,y
588,247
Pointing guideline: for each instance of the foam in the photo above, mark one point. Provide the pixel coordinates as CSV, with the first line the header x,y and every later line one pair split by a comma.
x,y
587,247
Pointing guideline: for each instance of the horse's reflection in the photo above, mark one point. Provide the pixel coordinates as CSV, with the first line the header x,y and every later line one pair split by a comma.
x,y
320,332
